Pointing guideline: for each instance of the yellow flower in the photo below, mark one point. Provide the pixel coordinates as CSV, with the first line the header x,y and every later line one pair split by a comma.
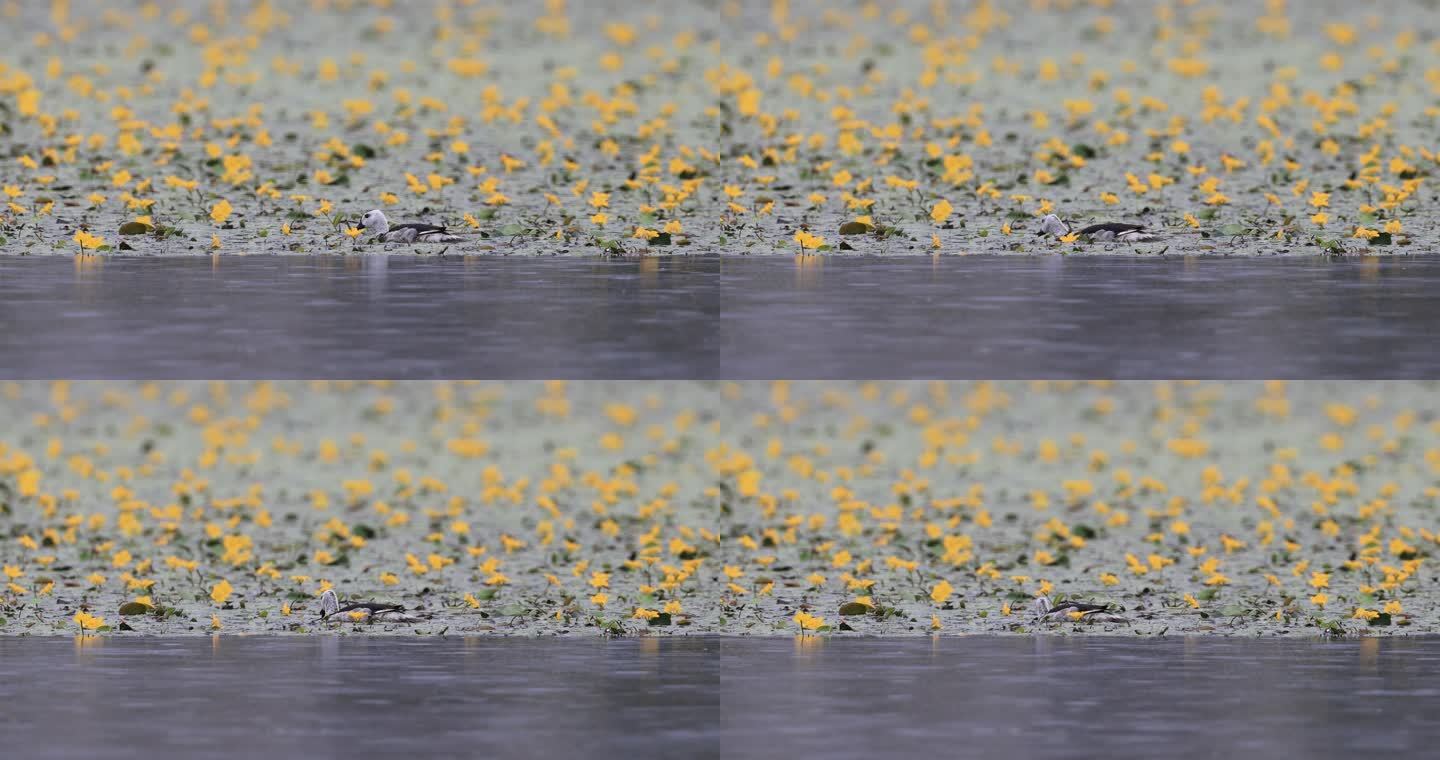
x,y
472,601
1366,234
600,599
215,622
1393,608
941,212
673,227
941,592
1394,227
87,241
644,614
599,220
354,232
1363,614
1192,601
1320,219
221,211
1319,580
88,622
807,240
221,591
808,622
672,607
1192,221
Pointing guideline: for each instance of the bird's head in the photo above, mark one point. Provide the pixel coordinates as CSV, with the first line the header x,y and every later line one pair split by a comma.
x,y
1053,225
373,219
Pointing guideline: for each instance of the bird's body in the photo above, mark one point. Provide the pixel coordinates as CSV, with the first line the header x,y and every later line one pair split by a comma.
x,y
376,224
1072,610
1107,232
370,612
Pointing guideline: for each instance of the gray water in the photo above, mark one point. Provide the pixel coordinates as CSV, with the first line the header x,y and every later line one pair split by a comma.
x,y
709,697
703,317
980,317
371,317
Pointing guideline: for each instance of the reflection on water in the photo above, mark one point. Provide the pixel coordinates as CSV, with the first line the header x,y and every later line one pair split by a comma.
x,y
800,697
358,697
1053,697
843,317
373,316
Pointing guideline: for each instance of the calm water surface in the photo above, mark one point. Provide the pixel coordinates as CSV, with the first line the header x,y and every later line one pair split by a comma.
x,y
710,697
1054,317
371,316
706,317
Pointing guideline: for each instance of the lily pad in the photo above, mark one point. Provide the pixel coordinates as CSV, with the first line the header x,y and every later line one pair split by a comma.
x,y
855,228
855,608
135,608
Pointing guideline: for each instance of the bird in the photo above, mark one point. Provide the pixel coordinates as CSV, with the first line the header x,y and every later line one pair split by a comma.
x,y
373,612
1109,232
376,224
1071,610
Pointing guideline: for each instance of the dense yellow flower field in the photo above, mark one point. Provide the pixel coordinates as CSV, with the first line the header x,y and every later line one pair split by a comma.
x,y
740,126
756,508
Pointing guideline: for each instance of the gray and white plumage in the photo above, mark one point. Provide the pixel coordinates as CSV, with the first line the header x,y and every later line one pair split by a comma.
x,y
374,613
1108,232
1089,613
376,224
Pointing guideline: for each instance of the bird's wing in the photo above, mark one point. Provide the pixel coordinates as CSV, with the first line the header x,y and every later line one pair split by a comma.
x,y
1113,227
420,229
